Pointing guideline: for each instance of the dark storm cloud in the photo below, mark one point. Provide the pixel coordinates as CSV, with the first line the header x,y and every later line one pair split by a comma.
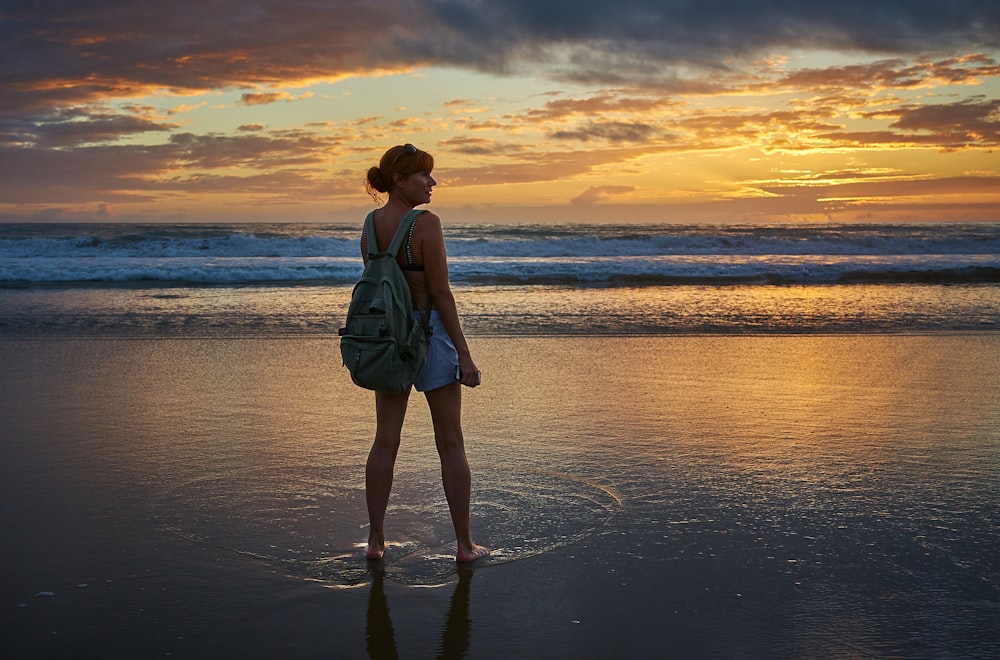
x,y
72,127
60,53
707,33
99,47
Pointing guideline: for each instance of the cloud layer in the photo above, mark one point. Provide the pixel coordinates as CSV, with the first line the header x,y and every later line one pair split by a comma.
x,y
643,63
611,40
109,45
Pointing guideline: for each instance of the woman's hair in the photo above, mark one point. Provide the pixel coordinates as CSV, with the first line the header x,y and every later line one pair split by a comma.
x,y
403,160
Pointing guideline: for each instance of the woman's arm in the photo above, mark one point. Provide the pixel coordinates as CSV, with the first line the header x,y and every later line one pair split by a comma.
x,y
438,287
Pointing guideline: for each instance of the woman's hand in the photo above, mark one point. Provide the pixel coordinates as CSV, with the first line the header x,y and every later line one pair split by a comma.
x,y
471,377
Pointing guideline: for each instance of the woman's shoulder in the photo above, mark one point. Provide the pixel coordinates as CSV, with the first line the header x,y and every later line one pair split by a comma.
x,y
427,223
427,215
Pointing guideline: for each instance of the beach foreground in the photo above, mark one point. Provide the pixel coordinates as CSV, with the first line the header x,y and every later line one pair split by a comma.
x,y
670,496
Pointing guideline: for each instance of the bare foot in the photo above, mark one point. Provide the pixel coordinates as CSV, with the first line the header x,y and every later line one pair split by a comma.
x,y
374,551
476,552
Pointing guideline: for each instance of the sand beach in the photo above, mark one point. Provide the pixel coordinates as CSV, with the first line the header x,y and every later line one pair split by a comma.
x,y
668,496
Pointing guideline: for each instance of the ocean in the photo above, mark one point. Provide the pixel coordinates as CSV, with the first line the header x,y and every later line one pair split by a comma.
x,y
295,279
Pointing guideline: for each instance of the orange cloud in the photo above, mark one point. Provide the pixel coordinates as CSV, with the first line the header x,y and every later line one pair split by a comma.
x,y
264,98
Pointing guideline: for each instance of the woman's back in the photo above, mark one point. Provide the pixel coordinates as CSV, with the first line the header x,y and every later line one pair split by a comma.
x,y
410,257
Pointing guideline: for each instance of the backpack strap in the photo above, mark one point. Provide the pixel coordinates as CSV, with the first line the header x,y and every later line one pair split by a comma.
x,y
402,232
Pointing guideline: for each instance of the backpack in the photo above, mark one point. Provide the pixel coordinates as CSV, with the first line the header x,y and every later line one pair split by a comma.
x,y
382,344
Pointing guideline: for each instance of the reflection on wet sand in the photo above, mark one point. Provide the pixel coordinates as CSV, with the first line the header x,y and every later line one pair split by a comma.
x,y
380,638
768,496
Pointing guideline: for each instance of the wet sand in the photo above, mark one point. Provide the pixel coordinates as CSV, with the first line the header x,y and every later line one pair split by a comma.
x,y
659,496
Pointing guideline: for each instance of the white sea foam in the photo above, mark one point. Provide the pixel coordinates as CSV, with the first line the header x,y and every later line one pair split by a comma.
x,y
492,254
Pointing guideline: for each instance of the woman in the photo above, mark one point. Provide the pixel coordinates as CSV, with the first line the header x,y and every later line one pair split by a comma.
x,y
404,173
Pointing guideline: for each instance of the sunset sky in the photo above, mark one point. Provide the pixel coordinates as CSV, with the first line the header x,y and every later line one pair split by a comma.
x,y
535,110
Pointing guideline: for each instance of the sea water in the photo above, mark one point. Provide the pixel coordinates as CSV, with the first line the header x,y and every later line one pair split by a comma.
x,y
293,279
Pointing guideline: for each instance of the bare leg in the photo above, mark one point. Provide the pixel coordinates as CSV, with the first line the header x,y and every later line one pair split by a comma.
x,y
446,411
390,410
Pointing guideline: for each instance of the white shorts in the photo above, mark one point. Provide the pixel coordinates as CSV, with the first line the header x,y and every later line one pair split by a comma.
x,y
442,358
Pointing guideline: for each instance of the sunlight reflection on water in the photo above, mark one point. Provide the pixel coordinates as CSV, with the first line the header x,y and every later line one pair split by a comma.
x,y
844,483
221,311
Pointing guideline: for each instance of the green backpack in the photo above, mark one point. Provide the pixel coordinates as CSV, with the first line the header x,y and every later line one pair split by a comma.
x,y
383,345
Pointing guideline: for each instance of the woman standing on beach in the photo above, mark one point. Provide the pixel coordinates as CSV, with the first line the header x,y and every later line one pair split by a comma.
x,y
404,173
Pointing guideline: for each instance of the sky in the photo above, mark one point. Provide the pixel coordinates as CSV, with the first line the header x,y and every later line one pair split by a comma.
x,y
535,110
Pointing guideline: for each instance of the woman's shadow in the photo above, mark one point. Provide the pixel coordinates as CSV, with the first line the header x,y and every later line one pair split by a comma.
x,y
380,638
